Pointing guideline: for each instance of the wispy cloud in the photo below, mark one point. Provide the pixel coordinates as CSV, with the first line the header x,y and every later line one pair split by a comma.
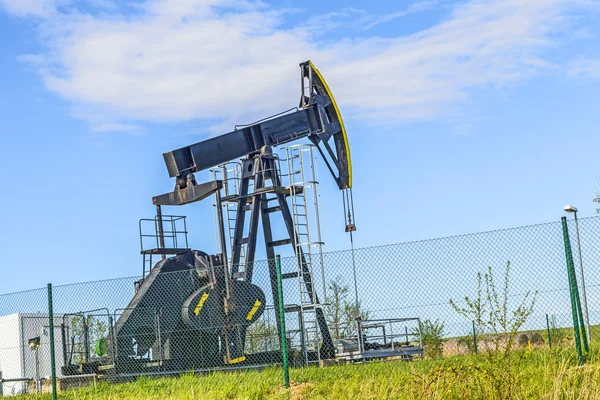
x,y
115,127
584,68
322,24
46,9
224,61
30,8
413,8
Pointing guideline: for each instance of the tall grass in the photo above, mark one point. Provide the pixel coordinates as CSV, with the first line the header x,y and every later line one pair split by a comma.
x,y
539,374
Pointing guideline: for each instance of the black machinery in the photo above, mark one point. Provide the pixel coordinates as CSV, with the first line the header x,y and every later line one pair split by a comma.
x,y
192,310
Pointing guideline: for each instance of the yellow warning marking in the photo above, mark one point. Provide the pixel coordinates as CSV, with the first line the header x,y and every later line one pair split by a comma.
x,y
339,116
257,304
200,303
237,360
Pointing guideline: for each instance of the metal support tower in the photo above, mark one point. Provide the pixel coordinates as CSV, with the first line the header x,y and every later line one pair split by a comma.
x,y
268,197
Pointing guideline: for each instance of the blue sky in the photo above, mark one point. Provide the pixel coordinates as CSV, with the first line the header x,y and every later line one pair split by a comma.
x,y
462,116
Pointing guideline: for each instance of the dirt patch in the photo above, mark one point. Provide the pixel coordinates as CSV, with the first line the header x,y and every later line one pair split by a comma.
x,y
454,347
298,390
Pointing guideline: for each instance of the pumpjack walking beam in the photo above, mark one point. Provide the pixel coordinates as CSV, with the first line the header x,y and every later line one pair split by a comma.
x,y
317,118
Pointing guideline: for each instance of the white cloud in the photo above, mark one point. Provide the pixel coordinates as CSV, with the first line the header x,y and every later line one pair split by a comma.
x,y
232,62
29,8
45,9
481,44
413,8
584,68
115,127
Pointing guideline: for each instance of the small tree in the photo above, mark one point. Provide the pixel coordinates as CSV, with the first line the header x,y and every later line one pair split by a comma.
x,y
497,326
342,312
432,335
491,313
352,311
335,311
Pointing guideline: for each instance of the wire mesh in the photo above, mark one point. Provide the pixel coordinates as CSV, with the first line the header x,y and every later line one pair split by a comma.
x,y
188,314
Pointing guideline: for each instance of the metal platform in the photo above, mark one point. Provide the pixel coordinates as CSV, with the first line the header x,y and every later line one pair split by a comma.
x,y
163,235
405,353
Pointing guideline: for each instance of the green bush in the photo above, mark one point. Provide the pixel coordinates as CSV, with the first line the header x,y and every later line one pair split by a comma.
x,y
432,334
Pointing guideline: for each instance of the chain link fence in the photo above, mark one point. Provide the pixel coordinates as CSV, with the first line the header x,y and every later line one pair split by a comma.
x,y
187,314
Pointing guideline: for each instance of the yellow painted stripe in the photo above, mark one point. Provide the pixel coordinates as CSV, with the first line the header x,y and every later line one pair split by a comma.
x,y
339,115
201,303
257,304
237,360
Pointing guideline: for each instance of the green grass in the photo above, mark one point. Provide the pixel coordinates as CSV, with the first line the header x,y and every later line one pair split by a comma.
x,y
539,374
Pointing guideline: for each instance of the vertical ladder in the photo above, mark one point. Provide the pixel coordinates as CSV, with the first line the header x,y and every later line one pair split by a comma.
x,y
303,192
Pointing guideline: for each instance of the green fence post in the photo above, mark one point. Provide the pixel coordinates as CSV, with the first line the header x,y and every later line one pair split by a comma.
x,y
474,339
548,329
52,352
284,353
583,332
581,324
572,289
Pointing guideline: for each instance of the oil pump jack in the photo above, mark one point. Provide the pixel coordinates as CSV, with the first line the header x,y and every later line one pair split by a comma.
x,y
207,302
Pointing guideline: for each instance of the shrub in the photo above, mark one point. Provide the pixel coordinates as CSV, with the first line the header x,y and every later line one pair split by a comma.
x,y
432,334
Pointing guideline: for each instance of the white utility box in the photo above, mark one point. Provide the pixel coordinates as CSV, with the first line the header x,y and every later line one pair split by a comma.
x,y
18,359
